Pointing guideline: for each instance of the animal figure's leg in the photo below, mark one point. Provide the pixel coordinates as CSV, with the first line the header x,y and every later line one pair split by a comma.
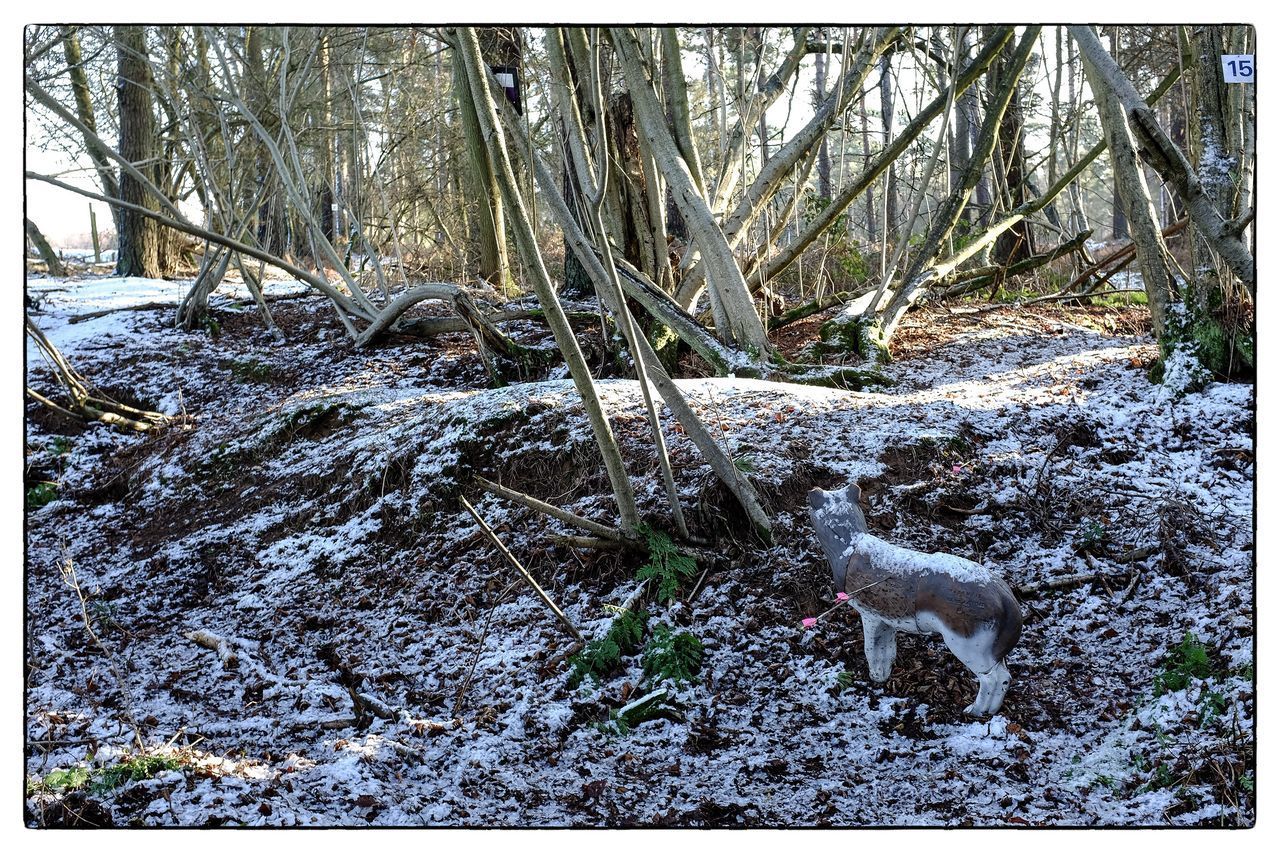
x,y
880,641
993,677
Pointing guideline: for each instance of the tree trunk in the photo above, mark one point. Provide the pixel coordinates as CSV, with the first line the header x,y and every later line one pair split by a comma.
x,y
1119,222
84,110
738,323
919,275
1131,186
139,239
885,159
47,254
476,76
960,139
774,173
824,157
576,281
886,125
1224,236
866,158
1219,148
1175,209
1017,243
655,302
489,234
270,227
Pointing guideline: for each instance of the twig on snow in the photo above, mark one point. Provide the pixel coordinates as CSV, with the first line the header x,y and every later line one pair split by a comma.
x,y
1033,589
601,530
462,691
502,549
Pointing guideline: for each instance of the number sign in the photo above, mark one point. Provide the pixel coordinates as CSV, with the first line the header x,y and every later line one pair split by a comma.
x,y
1238,68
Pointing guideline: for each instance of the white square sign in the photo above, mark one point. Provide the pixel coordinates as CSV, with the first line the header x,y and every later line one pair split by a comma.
x,y
1238,67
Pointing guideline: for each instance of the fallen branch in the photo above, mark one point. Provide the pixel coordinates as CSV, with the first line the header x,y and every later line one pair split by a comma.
x,y
600,530
976,279
391,312
813,306
502,549
145,306
1035,589
588,542
83,402
232,649
429,326
1117,260
636,596
215,643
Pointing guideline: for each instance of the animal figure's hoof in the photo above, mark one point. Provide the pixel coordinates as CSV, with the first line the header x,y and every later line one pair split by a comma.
x,y
980,710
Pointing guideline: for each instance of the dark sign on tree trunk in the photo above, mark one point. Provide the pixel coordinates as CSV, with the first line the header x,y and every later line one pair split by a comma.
x,y
509,77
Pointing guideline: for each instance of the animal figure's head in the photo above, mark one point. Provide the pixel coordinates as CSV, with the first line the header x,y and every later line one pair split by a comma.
x,y
837,518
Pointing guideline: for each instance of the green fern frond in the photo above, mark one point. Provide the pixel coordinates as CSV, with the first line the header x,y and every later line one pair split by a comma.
x,y
667,563
674,656
599,657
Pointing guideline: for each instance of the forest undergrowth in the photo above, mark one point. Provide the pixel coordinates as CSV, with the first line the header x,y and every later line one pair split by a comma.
x,y
277,612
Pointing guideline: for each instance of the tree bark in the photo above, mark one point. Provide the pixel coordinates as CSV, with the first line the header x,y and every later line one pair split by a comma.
x,y
138,238
662,306
1017,243
84,109
477,79
824,157
1131,184
1219,147
489,236
886,127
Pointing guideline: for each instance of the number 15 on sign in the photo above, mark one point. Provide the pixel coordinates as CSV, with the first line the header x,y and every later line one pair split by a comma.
x,y
1237,67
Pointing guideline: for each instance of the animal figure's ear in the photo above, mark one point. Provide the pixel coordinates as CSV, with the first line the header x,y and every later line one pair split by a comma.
x,y
853,494
818,498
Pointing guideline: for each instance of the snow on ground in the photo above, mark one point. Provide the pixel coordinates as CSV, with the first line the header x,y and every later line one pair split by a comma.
x,y
310,519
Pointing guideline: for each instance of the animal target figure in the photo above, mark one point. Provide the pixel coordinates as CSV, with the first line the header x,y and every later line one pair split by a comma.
x,y
897,589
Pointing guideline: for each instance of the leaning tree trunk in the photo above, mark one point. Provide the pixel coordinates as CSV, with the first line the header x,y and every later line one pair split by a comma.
x,y
476,77
1223,235
736,320
47,254
920,273
654,301
884,160
1131,186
